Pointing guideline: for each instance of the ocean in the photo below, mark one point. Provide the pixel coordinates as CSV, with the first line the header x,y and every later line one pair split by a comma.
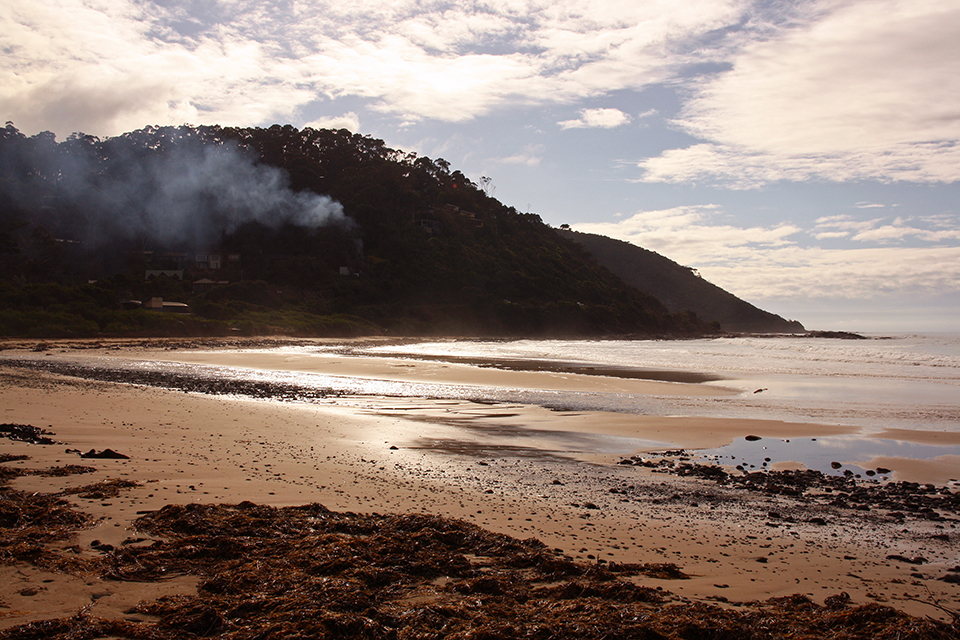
x,y
889,382
909,382
904,383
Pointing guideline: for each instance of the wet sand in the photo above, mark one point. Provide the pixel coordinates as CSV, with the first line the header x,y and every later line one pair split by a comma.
x,y
520,470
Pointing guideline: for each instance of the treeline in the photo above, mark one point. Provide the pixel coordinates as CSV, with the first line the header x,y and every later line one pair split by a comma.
x,y
319,232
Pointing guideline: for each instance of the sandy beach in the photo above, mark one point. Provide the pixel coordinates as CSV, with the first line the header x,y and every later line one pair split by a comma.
x,y
521,470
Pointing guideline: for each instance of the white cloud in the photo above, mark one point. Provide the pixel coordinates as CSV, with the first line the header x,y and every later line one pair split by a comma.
x,y
597,119
349,121
250,63
843,91
691,234
739,167
935,229
825,235
530,156
768,262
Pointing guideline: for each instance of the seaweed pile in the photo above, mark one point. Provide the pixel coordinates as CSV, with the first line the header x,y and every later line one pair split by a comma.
x,y
180,381
308,572
29,522
26,433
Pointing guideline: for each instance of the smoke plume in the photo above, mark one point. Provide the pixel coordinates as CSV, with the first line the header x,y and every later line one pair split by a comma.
x,y
172,192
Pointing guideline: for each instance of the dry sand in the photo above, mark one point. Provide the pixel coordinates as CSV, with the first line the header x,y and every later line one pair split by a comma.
x,y
520,470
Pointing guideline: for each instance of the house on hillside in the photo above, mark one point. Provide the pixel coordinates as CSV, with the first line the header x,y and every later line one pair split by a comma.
x,y
206,261
158,304
206,284
175,274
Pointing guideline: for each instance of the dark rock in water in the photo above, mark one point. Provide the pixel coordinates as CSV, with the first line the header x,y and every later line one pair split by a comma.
x,y
882,471
751,438
835,465
840,335
107,454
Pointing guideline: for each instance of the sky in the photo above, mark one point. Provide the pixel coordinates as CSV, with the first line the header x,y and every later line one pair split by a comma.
x,y
804,155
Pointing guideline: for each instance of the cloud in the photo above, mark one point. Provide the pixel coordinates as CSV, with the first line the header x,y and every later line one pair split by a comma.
x,y
250,63
935,229
769,262
740,167
349,121
530,156
840,91
691,234
597,119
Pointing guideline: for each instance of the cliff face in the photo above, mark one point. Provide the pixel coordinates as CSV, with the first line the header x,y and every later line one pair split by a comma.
x,y
678,287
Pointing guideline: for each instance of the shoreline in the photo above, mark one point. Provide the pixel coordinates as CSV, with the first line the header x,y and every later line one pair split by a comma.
x,y
510,468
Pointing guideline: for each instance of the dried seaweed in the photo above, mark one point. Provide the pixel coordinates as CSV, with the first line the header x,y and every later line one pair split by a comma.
x,y
30,521
307,572
99,490
26,433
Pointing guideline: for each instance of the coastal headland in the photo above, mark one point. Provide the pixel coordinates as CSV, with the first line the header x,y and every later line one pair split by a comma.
x,y
560,477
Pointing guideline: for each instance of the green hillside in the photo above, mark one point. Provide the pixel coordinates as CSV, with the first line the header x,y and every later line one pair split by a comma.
x,y
679,288
279,230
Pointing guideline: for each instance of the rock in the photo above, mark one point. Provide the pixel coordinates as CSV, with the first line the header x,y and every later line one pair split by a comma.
x,y
752,438
837,601
899,558
106,454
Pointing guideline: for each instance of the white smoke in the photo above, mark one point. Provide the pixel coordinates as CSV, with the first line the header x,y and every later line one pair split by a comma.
x,y
193,194
175,190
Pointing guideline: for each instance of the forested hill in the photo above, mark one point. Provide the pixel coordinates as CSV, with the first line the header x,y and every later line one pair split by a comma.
x,y
279,230
678,287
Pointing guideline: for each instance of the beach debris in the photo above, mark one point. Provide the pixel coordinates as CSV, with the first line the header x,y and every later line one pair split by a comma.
x,y
26,433
901,499
181,381
99,490
837,601
899,558
307,571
